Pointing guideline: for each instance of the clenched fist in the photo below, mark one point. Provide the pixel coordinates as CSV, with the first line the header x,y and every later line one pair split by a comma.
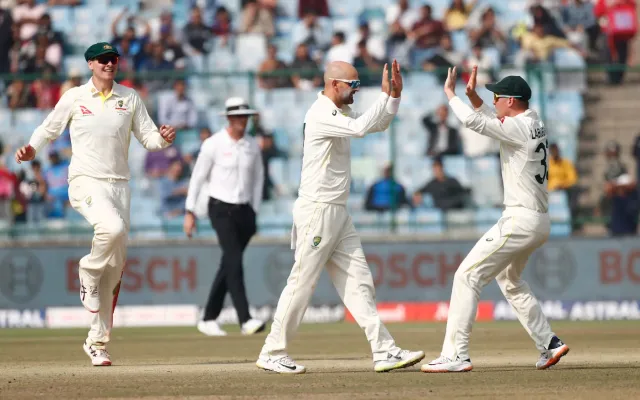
x,y
168,133
25,153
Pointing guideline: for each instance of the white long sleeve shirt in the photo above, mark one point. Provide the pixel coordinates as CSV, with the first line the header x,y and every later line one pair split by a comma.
x,y
100,128
326,157
233,169
523,152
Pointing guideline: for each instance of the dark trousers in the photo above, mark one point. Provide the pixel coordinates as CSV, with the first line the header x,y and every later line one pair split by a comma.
x,y
622,50
234,224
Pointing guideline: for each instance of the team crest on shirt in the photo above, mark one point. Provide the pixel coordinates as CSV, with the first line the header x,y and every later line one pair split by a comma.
x,y
120,106
88,201
316,241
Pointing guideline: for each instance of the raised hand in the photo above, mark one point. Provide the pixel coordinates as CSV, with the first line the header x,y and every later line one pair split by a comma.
x,y
25,153
168,133
450,83
471,85
386,85
396,80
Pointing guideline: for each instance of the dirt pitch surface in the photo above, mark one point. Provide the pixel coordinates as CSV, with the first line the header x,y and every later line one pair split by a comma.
x,y
172,363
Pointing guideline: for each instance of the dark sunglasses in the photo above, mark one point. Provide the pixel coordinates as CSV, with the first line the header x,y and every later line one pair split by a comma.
x,y
353,83
498,96
104,60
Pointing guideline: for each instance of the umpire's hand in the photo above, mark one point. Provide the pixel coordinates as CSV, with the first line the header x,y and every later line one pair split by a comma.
x,y
189,225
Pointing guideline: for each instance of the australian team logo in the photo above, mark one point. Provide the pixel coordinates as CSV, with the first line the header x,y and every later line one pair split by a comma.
x,y
121,107
316,241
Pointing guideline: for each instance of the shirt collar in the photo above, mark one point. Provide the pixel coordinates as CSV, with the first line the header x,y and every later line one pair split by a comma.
x,y
115,90
227,137
329,103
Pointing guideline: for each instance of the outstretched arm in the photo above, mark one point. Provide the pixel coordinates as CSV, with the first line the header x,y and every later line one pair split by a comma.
x,y
50,129
484,121
394,101
377,118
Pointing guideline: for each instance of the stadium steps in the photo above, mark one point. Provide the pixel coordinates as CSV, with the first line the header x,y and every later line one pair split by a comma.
x,y
612,113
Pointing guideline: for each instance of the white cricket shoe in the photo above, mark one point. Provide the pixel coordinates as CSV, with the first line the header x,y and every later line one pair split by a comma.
x,y
557,350
403,359
445,364
97,352
253,326
280,364
89,297
211,328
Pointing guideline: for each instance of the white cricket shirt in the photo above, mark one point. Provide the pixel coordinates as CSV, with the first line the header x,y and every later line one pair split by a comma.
x,y
523,152
326,157
234,169
100,128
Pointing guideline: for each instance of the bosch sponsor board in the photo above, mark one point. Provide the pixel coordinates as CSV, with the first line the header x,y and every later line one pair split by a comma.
x,y
181,273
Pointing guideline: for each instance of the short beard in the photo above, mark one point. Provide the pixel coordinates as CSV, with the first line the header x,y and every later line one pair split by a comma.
x,y
345,97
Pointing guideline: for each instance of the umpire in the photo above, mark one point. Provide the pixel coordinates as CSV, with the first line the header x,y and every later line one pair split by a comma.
x,y
232,164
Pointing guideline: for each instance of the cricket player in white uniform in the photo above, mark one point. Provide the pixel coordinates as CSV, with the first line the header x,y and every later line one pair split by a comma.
x,y
323,233
503,251
102,115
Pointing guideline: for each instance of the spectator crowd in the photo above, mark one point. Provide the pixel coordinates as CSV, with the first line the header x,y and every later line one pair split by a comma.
x,y
32,53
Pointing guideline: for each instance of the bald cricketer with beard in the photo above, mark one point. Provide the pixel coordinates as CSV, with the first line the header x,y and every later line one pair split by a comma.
x,y
323,234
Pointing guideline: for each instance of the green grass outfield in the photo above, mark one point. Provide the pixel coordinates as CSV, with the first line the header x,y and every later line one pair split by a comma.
x,y
178,363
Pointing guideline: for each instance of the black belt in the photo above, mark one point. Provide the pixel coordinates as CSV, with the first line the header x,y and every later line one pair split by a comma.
x,y
228,205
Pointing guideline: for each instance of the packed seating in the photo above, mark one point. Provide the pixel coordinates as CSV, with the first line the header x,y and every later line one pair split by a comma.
x,y
221,49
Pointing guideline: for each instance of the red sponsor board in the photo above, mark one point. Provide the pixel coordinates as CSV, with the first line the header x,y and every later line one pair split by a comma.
x,y
423,312
620,266
424,269
156,274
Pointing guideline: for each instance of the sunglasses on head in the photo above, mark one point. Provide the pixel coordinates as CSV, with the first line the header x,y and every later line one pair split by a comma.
x,y
353,83
498,96
104,60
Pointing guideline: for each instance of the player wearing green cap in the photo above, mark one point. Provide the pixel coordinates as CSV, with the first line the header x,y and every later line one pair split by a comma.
x,y
503,251
101,116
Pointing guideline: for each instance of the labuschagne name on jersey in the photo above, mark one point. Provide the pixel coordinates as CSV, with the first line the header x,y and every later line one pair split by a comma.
x,y
539,133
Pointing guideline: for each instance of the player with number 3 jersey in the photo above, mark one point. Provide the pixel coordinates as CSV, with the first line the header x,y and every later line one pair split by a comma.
x,y
503,251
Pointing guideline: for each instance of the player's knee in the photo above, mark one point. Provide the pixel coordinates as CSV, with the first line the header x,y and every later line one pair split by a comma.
x,y
462,277
512,287
113,230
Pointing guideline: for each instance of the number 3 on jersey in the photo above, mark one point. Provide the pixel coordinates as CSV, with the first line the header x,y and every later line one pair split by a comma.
x,y
545,175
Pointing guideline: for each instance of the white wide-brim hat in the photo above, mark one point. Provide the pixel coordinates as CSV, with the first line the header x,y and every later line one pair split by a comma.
x,y
237,106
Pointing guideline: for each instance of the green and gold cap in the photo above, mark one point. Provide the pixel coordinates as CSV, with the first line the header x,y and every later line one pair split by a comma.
x,y
512,86
98,49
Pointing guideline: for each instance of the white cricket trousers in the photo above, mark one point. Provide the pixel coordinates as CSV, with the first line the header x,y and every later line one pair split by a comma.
x,y
105,204
324,235
502,253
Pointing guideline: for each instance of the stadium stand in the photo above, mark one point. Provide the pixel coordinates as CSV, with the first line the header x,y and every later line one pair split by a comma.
x,y
229,69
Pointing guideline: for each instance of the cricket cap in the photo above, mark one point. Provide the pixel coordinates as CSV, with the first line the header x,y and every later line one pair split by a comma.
x,y
98,49
512,86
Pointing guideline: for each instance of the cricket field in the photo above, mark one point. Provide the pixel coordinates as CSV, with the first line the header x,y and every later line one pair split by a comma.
x,y
180,363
